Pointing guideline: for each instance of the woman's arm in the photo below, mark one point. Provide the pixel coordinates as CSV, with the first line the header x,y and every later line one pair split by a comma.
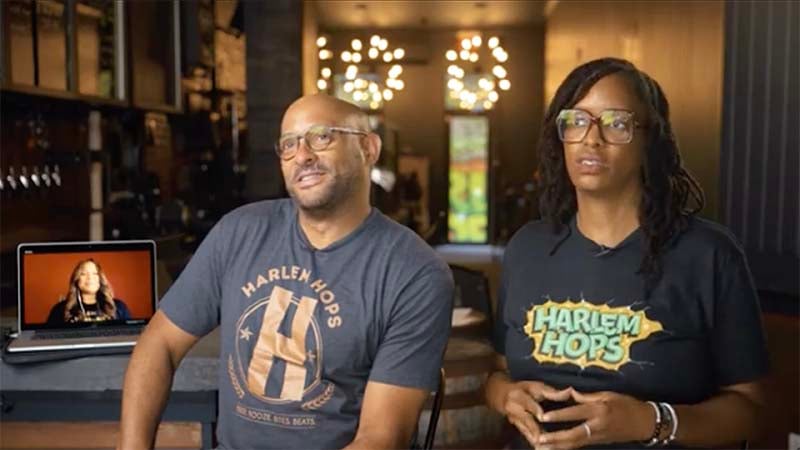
x,y
728,418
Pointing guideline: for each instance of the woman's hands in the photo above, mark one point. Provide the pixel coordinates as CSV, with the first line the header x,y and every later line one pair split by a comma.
x,y
521,406
606,417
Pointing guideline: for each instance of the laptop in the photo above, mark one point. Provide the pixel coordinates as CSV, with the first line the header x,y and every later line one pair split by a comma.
x,y
83,295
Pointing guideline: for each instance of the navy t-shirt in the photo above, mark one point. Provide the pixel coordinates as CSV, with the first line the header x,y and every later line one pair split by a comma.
x,y
573,313
303,329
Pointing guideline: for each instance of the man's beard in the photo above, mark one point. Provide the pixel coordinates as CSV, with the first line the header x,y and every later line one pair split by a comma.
x,y
330,196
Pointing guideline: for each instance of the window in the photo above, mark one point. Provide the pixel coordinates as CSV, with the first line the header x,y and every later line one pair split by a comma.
x,y
468,215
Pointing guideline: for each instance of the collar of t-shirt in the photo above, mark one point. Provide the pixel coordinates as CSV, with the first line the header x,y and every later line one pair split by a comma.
x,y
306,244
591,246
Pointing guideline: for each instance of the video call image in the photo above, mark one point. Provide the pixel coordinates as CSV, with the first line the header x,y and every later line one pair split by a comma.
x,y
87,287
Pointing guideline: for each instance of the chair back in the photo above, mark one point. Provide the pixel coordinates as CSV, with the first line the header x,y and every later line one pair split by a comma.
x,y
436,407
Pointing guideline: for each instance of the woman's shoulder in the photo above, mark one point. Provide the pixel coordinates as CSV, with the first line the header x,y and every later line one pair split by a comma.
x,y
60,304
706,235
535,235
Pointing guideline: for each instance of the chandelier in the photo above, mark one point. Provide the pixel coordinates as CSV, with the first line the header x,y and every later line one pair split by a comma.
x,y
473,89
367,77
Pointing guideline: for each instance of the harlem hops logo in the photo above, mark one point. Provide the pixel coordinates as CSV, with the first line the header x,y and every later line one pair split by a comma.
x,y
278,357
586,334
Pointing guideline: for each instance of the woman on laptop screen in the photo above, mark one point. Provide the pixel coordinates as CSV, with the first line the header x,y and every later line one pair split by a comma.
x,y
90,298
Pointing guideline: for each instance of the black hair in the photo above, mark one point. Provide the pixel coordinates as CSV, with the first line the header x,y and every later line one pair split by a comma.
x,y
670,194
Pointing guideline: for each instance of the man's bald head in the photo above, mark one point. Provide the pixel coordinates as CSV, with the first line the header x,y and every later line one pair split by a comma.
x,y
326,110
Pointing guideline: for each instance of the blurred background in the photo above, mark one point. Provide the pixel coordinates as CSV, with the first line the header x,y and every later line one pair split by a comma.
x,y
152,119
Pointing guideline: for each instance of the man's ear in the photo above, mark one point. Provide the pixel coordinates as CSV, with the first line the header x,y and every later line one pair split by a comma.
x,y
372,149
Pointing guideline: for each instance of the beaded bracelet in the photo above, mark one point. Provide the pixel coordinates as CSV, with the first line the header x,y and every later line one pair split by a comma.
x,y
666,423
657,430
674,420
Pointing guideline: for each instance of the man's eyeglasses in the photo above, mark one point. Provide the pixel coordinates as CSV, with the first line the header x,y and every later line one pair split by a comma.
x,y
317,137
616,125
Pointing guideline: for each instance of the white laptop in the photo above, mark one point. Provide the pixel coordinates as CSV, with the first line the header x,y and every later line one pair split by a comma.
x,y
81,295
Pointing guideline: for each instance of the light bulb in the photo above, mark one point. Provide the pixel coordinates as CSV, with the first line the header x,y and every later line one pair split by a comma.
x,y
356,57
375,40
493,42
387,57
466,44
487,104
505,85
346,56
348,86
326,72
373,53
356,44
399,53
388,94
322,84
451,55
473,57
374,105
464,55
499,71
376,96
493,96
476,41
321,41
383,44
399,85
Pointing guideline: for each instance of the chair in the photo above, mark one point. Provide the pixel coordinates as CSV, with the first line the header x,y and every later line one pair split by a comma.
x,y
438,399
472,291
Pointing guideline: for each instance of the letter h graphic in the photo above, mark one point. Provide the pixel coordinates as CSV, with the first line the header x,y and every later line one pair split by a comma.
x,y
272,344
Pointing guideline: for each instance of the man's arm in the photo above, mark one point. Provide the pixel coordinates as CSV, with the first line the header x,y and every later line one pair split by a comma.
x,y
148,380
389,416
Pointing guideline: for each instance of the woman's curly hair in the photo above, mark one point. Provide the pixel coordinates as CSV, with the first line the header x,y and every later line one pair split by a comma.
x,y
105,295
670,194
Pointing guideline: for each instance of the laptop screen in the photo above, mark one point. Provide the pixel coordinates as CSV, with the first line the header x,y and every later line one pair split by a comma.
x,y
86,284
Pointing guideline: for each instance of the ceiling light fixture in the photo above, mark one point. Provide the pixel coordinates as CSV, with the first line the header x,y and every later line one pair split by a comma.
x,y
469,86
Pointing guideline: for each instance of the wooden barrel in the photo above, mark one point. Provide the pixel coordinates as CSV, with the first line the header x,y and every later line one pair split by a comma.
x,y
465,422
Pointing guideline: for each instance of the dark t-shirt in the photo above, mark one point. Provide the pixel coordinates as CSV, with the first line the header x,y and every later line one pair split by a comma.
x,y
303,329
572,313
56,315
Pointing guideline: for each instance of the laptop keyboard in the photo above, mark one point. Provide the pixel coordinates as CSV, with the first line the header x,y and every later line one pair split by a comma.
x,y
73,334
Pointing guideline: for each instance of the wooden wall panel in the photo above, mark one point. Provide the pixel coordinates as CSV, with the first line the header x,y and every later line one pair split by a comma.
x,y
680,44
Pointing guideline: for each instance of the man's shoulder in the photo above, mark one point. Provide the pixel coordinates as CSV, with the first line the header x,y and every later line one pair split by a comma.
x,y
403,239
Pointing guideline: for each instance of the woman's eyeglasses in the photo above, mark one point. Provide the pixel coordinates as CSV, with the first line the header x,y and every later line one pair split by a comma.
x,y
317,137
616,125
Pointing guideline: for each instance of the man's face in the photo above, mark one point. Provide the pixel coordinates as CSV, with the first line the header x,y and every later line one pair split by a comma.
x,y
322,180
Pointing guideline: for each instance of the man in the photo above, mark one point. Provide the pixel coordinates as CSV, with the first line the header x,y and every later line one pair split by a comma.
x,y
333,319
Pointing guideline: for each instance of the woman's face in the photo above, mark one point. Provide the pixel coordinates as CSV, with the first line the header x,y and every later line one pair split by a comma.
x,y
595,166
88,278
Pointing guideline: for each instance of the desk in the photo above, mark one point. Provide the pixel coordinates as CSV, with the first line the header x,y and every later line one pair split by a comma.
x,y
90,389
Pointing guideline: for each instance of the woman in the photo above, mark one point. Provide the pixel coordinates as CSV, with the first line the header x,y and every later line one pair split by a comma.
x,y
624,319
90,298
